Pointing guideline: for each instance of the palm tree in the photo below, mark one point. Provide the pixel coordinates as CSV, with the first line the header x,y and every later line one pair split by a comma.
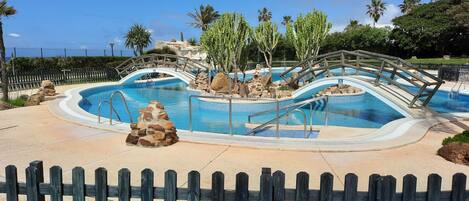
x,y
138,38
264,15
286,20
5,11
409,5
352,25
375,10
203,17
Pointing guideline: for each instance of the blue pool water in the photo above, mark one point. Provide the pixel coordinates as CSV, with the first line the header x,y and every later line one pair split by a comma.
x,y
364,112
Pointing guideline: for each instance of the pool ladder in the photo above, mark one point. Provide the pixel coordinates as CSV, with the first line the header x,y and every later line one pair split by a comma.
x,y
111,107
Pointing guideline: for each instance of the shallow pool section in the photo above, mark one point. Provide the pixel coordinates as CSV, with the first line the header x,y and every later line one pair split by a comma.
x,y
365,112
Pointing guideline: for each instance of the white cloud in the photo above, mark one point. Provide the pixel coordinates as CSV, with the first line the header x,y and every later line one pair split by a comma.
x,y
150,31
337,28
14,35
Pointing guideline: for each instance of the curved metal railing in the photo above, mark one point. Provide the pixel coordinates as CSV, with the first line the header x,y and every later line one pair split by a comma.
x,y
111,107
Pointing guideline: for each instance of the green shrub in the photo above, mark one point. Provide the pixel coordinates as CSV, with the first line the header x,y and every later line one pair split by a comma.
x,y
462,137
284,88
26,64
18,102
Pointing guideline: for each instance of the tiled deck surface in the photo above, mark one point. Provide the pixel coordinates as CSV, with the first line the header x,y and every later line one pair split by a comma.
x,y
34,133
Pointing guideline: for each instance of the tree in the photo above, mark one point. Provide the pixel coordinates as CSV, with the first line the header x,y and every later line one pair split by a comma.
x,y
353,24
409,5
307,33
375,10
363,37
203,17
286,20
5,11
138,38
430,30
264,15
266,36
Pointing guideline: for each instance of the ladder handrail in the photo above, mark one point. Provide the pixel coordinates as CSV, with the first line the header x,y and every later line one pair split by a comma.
x,y
295,106
99,111
111,107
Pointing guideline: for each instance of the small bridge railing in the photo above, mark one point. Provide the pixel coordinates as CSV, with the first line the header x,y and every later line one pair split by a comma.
x,y
271,187
381,67
160,60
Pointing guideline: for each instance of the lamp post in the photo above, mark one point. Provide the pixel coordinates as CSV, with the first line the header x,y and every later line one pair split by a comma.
x,y
112,49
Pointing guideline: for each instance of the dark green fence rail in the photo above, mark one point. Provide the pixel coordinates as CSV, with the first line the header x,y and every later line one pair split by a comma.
x,y
30,80
272,187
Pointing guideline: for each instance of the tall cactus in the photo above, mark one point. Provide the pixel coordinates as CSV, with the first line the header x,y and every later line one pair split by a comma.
x,y
266,36
307,33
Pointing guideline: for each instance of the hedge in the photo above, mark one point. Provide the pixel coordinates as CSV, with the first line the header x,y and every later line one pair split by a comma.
x,y
25,64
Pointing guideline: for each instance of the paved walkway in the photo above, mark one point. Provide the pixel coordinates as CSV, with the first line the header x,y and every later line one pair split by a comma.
x,y
33,133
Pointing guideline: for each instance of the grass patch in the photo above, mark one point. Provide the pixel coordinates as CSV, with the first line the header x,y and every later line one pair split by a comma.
x,y
459,61
284,88
462,137
18,102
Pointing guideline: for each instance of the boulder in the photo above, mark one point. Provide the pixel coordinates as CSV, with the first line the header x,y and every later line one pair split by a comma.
x,y
243,90
220,83
35,99
153,128
48,88
455,152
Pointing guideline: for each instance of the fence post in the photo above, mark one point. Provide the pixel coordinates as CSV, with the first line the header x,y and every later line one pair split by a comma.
x,y
458,187
242,187
193,186
11,180
326,186
32,184
101,184
124,185
279,186
350,187
386,188
373,187
78,184
218,186
65,52
409,188
302,187
170,185
56,188
42,55
433,187
147,182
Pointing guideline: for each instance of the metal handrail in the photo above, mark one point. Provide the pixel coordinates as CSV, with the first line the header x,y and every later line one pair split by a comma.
x,y
111,108
295,107
230,106
99,111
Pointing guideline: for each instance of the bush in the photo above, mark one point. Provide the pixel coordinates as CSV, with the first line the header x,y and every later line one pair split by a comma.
x,y
26,64
18,102
462,138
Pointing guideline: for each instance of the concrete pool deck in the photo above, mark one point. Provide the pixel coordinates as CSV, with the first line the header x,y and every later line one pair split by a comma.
x,y
34,133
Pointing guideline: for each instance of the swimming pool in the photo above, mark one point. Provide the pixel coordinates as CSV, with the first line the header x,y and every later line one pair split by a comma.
x,y
364,112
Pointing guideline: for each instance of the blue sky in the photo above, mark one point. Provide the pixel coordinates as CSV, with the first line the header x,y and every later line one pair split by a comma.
x,y
94,24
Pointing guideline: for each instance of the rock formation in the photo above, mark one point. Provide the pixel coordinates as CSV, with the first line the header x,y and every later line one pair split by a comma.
x,y
200,82
153,128
35,99
455,152
339,89
220,83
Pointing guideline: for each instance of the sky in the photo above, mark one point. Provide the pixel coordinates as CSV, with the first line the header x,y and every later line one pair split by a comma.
x,y
93,24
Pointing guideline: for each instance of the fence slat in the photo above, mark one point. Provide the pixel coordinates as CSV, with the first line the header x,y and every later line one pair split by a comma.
x,y
409,188
170,185
372,187
147,182
56,188
218,186
101,184
78,183
124,185
266,190
302,186
32,184
433,187
386,188
193,185
350,187
279,186
39,174
458,187
242,187
11,179
326,187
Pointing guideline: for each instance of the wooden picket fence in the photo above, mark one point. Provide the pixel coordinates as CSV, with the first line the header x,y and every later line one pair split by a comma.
x,y
272,187
30,80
